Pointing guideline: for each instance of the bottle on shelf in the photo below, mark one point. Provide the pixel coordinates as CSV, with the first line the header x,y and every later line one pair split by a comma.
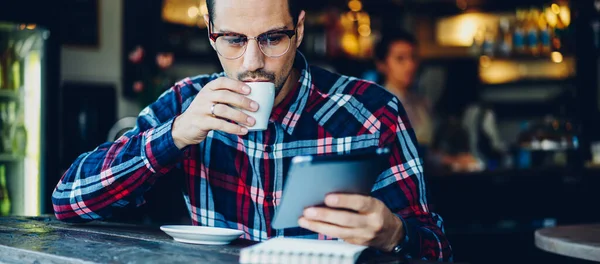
x,y
532,32
545,37
505,41
16,73
519,32
11,58
2,69
20,137
488,43
4,197
6,62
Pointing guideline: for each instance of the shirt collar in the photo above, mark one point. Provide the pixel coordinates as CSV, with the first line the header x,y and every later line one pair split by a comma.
x,y
288,112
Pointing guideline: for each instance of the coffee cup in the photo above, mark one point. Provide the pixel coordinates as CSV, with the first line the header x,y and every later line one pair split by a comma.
x,y
262,93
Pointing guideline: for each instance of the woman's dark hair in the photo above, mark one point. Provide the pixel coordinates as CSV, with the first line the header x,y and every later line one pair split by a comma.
x,y
293,6
390,36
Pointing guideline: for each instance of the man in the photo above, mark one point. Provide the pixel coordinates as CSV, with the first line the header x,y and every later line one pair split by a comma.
x,y
234,178
396,56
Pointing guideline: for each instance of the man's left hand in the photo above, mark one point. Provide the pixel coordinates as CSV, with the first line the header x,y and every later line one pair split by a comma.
x,y
372,224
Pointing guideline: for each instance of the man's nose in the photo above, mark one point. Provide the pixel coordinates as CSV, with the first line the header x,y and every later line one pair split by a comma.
x,y
254,59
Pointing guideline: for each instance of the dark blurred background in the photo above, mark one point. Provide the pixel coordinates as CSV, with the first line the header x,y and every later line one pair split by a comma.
x,y
512,87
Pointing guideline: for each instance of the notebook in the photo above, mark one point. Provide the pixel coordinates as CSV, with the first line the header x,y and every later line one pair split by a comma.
x,y
298,250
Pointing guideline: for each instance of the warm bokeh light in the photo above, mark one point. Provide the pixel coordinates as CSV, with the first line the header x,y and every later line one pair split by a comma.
x,y
351,16
460,30
555,8
355,5
364,18
551,17
542,22
364,30
193,11
185,12
350,44
557,57
565,15
503,71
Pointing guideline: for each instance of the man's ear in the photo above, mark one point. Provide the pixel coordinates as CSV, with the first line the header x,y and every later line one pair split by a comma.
x,y
300,28
207,22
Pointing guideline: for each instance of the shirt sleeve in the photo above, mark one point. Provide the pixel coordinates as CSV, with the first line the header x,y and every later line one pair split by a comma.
x,y
402,188
117,173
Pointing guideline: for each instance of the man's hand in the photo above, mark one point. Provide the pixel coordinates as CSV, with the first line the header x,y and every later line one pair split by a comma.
x,y
373,224
224,94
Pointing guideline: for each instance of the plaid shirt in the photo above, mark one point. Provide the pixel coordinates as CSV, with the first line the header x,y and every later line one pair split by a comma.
x,y
237,181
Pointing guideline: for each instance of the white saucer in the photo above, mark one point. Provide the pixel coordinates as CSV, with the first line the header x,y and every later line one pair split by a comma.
x,y
201,234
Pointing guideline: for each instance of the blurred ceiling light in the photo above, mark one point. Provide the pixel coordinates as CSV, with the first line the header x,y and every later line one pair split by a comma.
x,y
557,57
193,11
31,26
355,5
460,30
565,15
555,8
364,30
184,12
462,4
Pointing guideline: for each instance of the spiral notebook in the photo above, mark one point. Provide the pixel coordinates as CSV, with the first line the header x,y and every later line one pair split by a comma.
x,y
298,250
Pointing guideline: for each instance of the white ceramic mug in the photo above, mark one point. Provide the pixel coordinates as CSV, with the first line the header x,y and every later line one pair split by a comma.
x,y
262,93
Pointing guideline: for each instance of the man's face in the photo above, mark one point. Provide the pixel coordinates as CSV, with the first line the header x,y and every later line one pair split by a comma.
x,y
252,18
400,64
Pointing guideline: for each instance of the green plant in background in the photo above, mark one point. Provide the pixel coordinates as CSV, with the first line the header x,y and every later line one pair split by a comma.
x,y
4,199
151,76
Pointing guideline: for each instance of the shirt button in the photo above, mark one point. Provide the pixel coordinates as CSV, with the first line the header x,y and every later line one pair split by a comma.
x,y
269,198
268,148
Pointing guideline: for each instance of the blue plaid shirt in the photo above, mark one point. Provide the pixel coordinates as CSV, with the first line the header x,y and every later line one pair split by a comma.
x,y
236,181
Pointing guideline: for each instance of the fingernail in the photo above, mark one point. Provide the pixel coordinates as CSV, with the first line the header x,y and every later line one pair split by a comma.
x,y
244,130
310,212
332,199
250,120
246,89
254,106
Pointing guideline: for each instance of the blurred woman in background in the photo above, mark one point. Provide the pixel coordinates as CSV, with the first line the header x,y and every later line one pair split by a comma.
x,y
397,61
446,148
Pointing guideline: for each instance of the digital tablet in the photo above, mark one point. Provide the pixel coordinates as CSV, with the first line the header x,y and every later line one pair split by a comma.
x,y
311,178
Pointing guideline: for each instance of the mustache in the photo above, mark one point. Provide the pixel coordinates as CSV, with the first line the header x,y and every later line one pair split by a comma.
x,y
260,74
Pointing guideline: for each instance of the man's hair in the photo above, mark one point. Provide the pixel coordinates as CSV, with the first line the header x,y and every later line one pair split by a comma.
x,y
293,6
383,46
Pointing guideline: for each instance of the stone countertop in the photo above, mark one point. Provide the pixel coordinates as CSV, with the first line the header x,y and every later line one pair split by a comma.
x,y
47,240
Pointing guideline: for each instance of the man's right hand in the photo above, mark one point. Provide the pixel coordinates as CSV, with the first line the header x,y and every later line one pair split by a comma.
x,y
193,125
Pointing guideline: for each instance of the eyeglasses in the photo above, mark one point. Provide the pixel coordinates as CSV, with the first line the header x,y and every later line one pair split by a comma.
x,y
233,45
